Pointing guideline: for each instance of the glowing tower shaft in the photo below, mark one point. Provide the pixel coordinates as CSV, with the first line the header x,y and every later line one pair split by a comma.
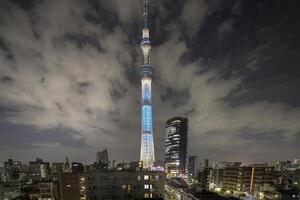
x,y
146,72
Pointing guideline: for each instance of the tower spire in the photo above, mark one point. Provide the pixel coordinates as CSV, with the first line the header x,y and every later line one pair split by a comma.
x,y
146,72
145,12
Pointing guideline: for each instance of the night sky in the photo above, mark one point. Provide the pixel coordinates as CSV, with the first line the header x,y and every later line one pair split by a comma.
x,y
69,87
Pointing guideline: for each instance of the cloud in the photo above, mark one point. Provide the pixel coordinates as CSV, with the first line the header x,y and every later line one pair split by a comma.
x,y
194,13
52,81
226,26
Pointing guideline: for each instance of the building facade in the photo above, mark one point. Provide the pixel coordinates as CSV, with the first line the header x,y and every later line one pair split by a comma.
x,y
134,185
176,145
47,191
39,170
72,186
248,179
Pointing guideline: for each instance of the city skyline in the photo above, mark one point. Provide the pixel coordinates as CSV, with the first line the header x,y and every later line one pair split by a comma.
x,y
69,85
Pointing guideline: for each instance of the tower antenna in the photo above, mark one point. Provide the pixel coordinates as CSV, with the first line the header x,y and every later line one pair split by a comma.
x,y
145,12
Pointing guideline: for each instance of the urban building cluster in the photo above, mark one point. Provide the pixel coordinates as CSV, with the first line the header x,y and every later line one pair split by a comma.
x,y
40,180
271,180
189,178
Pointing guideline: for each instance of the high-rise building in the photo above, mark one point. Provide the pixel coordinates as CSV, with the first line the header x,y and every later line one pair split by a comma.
x,y
145,72
176,145
102,157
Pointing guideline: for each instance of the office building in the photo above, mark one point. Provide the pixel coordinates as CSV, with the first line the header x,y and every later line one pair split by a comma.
x,y
176,145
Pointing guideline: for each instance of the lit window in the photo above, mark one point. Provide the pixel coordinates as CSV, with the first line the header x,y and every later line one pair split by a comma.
x,y
146,186
146,177
139,177
146,195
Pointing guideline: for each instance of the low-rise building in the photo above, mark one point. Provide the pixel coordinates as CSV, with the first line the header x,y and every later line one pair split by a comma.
x,y
135,185
46,191
248,179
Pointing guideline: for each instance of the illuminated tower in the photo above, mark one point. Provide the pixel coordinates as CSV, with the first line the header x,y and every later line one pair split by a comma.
x,y
146,72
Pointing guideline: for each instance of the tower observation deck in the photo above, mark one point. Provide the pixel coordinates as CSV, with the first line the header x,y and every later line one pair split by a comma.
x,y
146,73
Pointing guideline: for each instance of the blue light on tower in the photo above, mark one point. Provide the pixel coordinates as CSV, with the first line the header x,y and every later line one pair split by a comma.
x,y
147,118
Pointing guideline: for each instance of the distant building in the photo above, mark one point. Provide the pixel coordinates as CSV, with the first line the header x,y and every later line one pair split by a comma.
x,y
102,158
206,163
10,191
176,145
131,185
72,186
67,167
221,165
77,167
193,166
249,179
39,170
288,180
12,171
57,168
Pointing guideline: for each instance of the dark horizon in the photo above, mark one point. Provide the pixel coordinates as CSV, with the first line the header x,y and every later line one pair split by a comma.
x,y
69,87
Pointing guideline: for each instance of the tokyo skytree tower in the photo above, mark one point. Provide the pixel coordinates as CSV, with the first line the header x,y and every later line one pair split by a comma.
x,y
145,73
